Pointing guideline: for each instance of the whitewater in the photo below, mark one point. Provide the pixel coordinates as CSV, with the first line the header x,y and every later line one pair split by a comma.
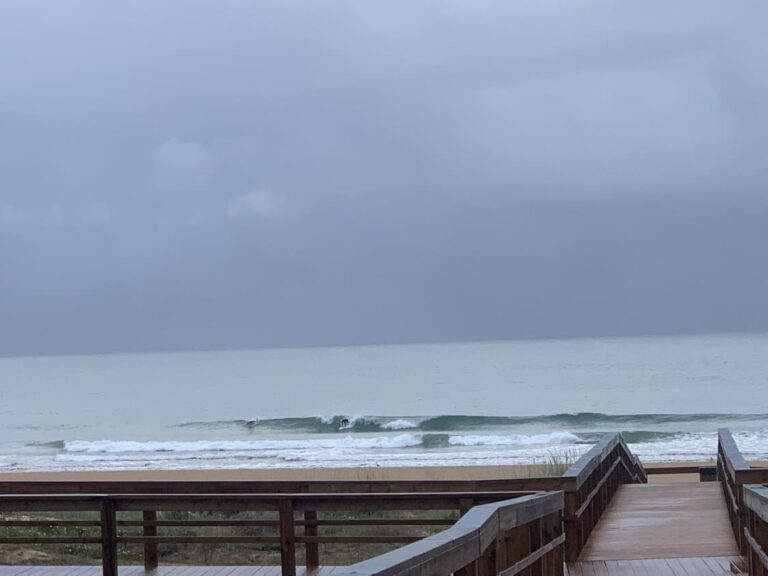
x,y
487,403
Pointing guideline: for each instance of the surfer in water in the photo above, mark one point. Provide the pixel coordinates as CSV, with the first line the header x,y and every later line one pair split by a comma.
x,y
344,424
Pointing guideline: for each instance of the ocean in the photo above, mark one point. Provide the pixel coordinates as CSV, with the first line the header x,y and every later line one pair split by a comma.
x,y
471,403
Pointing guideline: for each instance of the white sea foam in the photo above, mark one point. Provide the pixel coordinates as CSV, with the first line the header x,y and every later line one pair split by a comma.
x,y
394,450
699,446
116,447
514,439
400,424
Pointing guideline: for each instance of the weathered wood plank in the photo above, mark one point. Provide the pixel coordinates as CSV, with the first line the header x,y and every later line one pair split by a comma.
x,y
663,521
708,566
167,570
276,487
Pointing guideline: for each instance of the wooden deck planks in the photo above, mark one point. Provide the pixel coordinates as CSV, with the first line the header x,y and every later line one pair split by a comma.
x,y
651,521
710,566
168,570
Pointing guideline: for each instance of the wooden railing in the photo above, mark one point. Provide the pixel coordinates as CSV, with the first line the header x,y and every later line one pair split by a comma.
x,y
731,467
277,486
104,521
590,484
756,529
505,538
734,473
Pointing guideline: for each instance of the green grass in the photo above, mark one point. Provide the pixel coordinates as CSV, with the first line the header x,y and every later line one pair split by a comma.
x,y
202,554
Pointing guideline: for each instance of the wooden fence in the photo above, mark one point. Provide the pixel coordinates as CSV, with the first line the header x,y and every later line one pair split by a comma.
x,y
734,473
505,538
756,529
590,484
107,527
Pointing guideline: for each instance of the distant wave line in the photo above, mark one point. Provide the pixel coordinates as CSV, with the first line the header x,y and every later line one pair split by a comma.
x,y
449,423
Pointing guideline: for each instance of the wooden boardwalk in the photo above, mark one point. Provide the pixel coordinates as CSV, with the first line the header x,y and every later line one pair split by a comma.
x,y
661,529
169,570
709,566
647,521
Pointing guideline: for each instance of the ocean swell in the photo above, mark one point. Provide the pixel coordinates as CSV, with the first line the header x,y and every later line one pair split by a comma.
x,y
455,423
406,441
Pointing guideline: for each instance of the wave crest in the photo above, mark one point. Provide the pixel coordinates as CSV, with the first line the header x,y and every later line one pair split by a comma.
x,y
455,423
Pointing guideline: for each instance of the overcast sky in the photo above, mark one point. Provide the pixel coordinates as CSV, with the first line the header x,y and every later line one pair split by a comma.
x,y
244,173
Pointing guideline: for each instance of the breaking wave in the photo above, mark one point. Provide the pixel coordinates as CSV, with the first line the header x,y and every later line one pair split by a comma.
x,y
406,441
449,423
346,442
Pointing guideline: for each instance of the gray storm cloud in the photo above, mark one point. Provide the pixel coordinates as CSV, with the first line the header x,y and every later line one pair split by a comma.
x,y
233,174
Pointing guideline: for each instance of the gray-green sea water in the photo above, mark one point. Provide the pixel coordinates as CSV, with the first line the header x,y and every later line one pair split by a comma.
x,y
437,404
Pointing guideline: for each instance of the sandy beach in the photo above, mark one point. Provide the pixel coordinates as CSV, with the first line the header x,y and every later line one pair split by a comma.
x,y
295,474
359,473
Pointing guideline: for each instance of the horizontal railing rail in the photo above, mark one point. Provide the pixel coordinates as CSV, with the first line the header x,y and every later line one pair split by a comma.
x,y
756,528
590,484
734,472
532,484
658,470
504,538
105,527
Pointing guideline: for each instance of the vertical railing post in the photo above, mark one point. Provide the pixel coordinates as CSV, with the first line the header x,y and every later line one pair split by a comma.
x,y
108,538
486,564
535,531
759,530
312,549
502,557
552,527
740,516
559,555
750,556
287,538
518,543
572,532
149,518
473,568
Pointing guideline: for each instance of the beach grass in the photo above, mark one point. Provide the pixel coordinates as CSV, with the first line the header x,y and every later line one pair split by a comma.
x,y
209,553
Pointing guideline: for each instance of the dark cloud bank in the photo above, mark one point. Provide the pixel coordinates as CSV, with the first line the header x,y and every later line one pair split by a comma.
x,y
232,174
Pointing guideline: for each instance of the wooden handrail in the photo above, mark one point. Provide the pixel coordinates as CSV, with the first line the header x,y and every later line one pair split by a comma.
x,y
591,482
276,487
504,538
726,446
756,528
734,472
